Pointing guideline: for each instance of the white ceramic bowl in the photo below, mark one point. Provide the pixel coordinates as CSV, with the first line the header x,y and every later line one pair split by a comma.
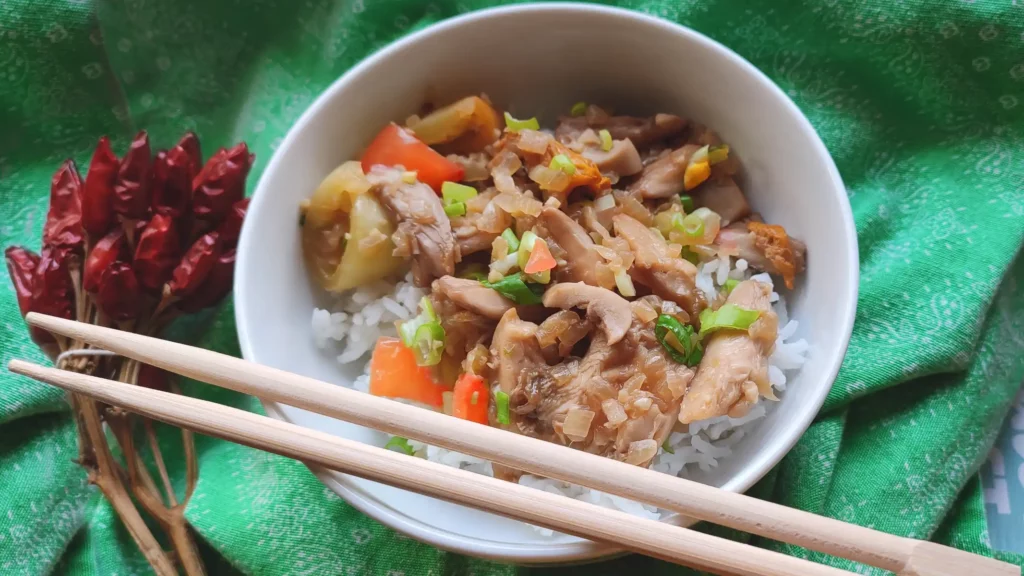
x,y
537,60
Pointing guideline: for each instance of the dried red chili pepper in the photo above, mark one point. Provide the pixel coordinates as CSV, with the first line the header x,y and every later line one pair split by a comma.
x,y
119,295
52,290
157,252
171,186
152,377
221,183
195,265
231,227
131,188
98,190
64,219
110,248
21,265
189,143
216,286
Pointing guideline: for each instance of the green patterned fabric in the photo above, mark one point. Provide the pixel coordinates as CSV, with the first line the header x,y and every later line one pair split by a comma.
x,y
920,103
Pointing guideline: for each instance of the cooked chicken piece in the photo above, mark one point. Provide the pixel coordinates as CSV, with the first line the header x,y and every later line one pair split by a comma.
x,y
663,178
658,267
473,296
641,132
619,400
622,159
571,246
734,371
423,232
723,196
611,310
765,247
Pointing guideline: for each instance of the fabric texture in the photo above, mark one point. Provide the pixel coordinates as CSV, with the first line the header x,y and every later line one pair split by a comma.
x,y
920,103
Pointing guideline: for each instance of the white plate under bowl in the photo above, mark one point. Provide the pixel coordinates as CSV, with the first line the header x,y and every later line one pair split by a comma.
x,y
537,60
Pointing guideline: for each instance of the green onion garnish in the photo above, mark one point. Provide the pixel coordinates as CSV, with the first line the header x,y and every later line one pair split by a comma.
x,y
454,209
562,162
525,248
474,398
718,154
729,316
517,125
687,203
692,226
667,448
424,335
501,403
515,289
578,109
730,284
399,444
689,255
511,240
677,339
606,140
455,192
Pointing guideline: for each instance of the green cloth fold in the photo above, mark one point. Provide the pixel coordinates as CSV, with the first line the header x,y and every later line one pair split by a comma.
x,y
920,103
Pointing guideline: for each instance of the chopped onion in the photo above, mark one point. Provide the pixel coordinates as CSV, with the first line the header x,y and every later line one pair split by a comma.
x,y
643,310
533,141
634,383
549,178
576,426
625,284
518,204
643,404
677,384
641,451
606,202
701,155
614,412
503,166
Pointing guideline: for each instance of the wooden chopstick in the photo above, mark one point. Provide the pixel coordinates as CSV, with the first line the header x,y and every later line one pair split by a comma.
x,y
897,554
537,507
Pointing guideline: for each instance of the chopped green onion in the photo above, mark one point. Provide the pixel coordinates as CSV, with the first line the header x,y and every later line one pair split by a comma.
x,y
730,284
455,209
501,403
474,271
689,255
667,448
511,240
424,335
625,284
525,248
718,154
687,203
692,226
606,140
399,444
562,162
475,397
677,339
517,125
515,289
729,316
455,192
578,109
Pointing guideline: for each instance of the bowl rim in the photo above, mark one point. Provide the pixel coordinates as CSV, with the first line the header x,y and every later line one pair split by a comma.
x,y
556,552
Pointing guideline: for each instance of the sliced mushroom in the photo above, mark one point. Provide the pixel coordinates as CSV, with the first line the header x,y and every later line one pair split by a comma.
x,y
571,243
623,158
722,196
666,273
473,296
640,131
611,310
663,178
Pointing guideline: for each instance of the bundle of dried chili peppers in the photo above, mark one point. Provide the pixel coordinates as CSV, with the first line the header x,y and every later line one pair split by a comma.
x,y
142,240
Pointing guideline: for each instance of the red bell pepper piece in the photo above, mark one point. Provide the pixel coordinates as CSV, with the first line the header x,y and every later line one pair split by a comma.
x,y
397,146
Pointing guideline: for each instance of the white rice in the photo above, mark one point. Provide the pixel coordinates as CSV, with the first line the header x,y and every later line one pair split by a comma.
x,y
357,319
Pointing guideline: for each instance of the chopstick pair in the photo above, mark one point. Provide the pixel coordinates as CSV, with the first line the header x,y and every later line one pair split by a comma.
x,y
901,555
